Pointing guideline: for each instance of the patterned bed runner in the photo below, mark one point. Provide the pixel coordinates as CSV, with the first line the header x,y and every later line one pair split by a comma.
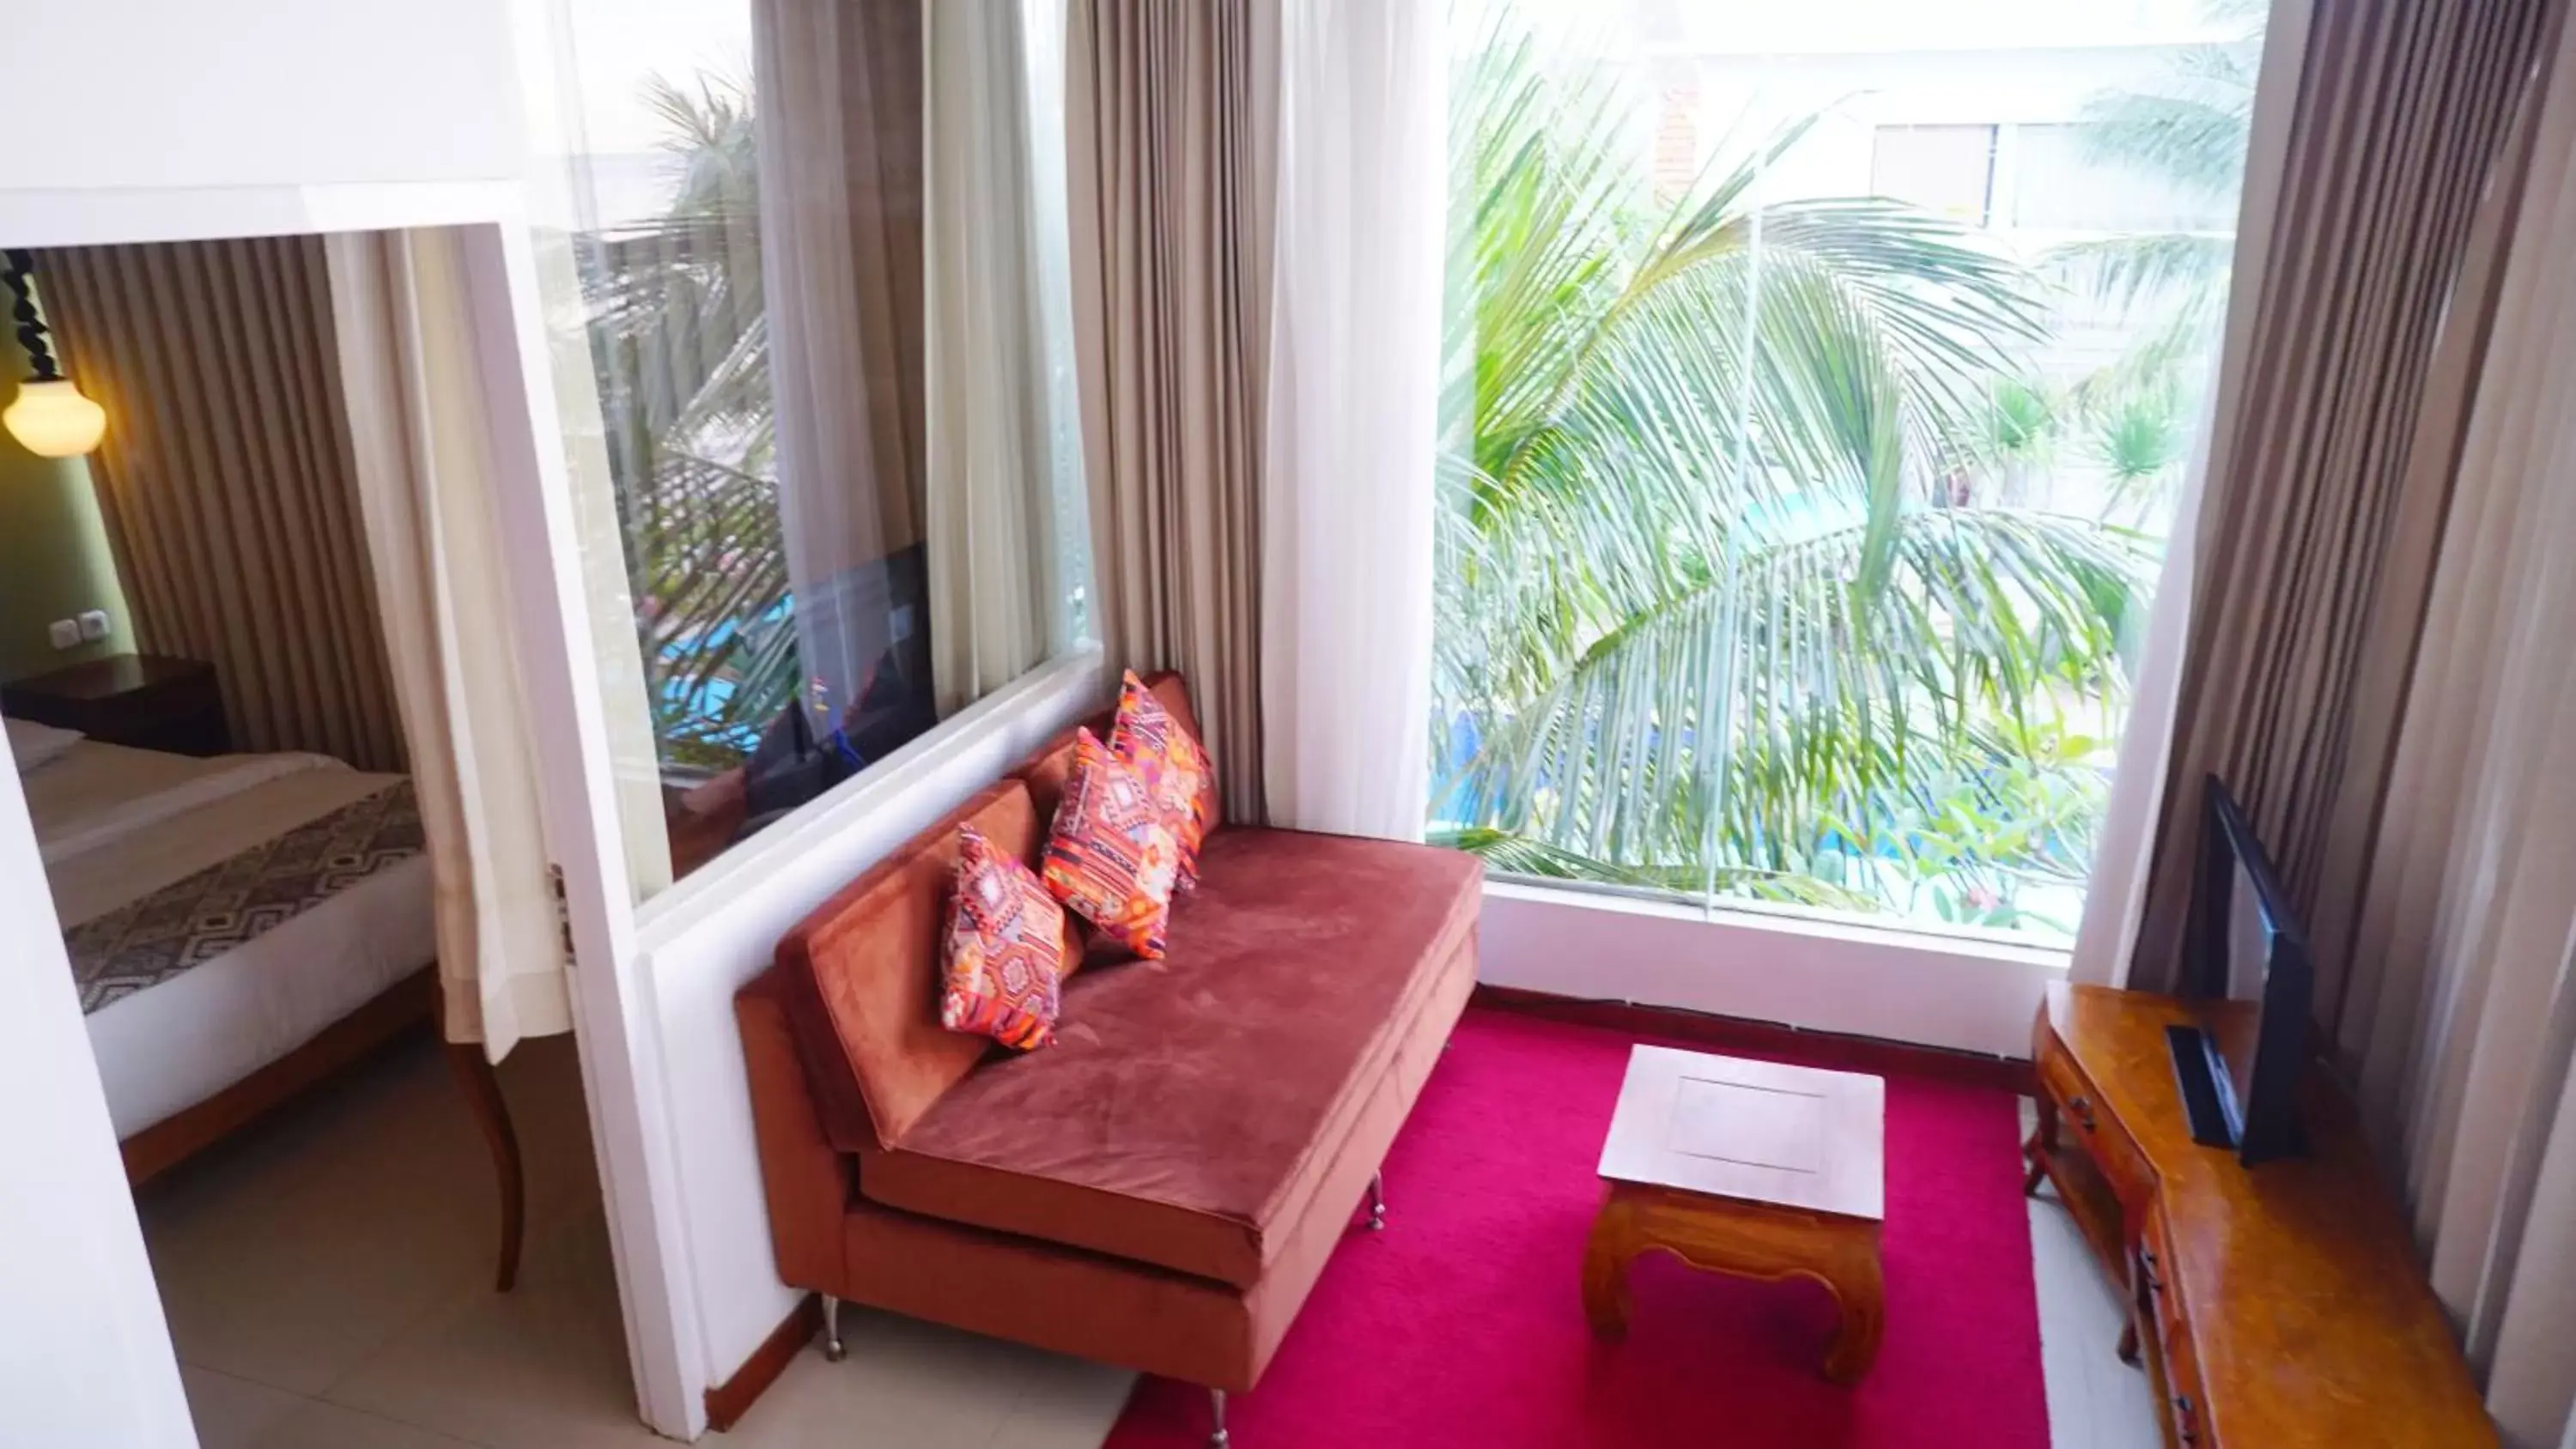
x,y
193,921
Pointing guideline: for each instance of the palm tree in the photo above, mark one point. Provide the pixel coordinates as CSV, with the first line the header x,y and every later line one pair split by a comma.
x,y
2188,136
1717,592
680,340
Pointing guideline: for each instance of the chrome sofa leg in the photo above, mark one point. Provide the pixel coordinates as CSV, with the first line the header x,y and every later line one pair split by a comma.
x,y
1218,1438
833,1349
1377,1202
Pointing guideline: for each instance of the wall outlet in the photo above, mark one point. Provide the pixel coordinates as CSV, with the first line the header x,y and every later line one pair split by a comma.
x,y
93,625
65,633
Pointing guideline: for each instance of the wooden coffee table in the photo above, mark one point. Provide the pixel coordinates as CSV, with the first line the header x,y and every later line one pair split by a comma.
x,y
1747,1168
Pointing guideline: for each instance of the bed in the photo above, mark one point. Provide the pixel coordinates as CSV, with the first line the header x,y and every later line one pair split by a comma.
x,y
240,927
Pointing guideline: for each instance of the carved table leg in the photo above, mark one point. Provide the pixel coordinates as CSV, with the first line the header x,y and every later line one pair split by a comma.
x,y
482,1090
2042,1143
1605,1266
1861,1291
1742,1240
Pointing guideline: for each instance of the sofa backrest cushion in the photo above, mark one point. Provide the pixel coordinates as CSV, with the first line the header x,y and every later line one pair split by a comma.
x,y
862,977
1047,771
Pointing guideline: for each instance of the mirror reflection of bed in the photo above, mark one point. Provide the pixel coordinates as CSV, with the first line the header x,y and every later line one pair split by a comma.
x,y
242,927
266,731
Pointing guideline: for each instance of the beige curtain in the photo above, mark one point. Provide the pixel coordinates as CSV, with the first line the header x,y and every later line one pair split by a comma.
x,y
1171,111
997,592
408,362
840,92
2312,548
2460,1019
225,479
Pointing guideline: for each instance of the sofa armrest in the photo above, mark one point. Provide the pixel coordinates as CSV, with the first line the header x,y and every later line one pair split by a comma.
x,y
808,1183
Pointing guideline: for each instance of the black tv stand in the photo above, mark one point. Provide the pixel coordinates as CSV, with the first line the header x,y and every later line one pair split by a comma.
x,y
2198,1072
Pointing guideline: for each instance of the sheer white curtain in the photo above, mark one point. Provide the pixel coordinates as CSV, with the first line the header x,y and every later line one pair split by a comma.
x,y
419,436
2115,893
839,91
990,512
1346,487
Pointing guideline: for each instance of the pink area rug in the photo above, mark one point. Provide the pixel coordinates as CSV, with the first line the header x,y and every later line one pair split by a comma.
x,y
1462,1323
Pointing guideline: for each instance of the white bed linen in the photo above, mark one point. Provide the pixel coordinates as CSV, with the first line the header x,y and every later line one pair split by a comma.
x,y
115,825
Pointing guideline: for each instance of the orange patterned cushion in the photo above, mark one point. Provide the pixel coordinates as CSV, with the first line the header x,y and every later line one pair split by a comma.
x,y
1173,762
1005,954
1112,853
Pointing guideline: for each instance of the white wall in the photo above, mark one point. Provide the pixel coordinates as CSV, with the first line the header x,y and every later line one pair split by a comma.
x,y
179,93
1965,993
272,114
84,1355
716,930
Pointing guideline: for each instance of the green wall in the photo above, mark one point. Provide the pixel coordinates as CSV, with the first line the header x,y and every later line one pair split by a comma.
x,y
54,562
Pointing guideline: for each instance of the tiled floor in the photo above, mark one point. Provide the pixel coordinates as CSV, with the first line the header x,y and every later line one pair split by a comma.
x,y
2094,1400
327,1280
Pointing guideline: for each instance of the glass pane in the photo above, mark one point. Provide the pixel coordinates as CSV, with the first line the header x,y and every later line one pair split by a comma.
x,y
1948,169
1814,415
748,198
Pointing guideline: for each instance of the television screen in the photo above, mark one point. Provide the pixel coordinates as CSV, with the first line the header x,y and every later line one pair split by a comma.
x,y
2238,1069
2247,960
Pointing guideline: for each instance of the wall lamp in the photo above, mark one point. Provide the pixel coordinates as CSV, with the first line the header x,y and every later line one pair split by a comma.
x,y
50,418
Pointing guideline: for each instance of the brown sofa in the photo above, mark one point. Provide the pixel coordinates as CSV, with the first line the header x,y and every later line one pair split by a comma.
x,y
1161,1187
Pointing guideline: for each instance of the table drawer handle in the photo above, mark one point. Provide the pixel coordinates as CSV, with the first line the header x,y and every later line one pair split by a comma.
x,y
2186,1422
2082,1107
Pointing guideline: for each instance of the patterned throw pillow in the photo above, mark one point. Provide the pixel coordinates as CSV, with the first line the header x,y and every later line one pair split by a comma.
x,y
1112,853
1172,761
1005,954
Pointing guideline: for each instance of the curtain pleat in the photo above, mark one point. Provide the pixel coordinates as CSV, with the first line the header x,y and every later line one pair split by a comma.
x,y
1354,408
2460,1020
997,598
840,253
225,480
421,439
2312,550
1171,112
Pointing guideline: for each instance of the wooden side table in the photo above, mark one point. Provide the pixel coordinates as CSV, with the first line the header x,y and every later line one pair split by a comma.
x,y
1752,1169
141,701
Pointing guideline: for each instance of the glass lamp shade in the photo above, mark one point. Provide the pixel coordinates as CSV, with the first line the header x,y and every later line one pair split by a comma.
x,y
51,419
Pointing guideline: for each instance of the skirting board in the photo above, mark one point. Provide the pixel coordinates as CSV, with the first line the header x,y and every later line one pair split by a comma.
x,y
727,1402
1831,1050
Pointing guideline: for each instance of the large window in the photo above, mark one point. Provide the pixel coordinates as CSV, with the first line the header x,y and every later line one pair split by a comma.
x,y
1798,522
814,397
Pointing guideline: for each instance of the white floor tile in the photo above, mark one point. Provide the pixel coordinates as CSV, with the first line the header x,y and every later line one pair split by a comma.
x,y
328,1426
2094,1400
913,1385
540,1367
233,1413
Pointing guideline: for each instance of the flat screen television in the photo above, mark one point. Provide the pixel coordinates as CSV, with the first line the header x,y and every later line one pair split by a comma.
x,y
2248,973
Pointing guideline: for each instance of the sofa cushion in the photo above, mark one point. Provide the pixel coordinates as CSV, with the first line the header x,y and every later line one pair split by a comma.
x,y
1174,763
1005,957
1112,856
862,978
1048,769
1192,1108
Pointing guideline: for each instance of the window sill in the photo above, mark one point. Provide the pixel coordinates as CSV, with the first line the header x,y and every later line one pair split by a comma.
x,y
1959,992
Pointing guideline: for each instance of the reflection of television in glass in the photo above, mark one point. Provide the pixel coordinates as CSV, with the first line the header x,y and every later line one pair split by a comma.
x,y
2248,971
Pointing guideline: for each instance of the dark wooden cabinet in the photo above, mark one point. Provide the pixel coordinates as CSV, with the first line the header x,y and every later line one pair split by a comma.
x,y
2273,1307
142,701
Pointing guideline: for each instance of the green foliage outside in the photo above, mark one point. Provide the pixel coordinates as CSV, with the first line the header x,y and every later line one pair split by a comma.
x,y
1750,579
